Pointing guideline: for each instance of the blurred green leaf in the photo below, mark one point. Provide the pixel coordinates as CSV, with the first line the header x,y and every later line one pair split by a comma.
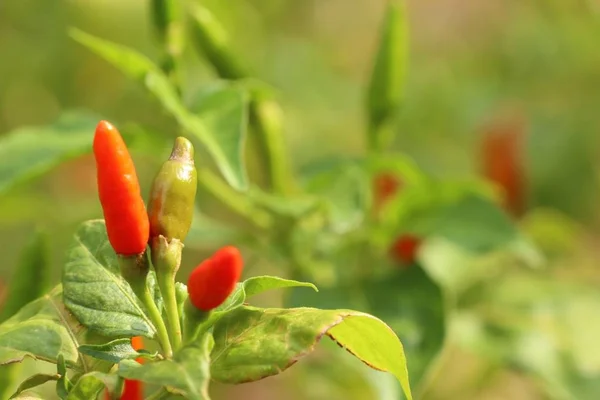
x,y
227,109
555,233
386,87
115,351
283,206
224,111
94,290
463,213
476,224
43,329
29,152
274,339
346,191
33,381
30,280
187,373
413,306
91,385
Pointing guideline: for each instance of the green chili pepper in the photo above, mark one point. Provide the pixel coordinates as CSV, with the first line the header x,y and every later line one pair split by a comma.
x,y
387,84
212,41
171,206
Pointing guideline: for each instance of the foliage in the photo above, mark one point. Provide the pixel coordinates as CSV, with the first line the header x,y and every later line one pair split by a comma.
x,y
475,281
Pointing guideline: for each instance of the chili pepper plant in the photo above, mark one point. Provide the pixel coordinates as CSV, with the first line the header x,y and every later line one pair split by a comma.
x,y
364,230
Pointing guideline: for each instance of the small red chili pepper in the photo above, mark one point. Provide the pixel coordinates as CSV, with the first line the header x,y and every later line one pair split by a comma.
x,y
132,390
385,185
404,248
503,164
119,191
212,281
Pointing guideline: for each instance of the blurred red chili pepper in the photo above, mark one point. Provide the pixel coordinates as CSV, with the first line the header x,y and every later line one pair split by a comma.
x,y
385,185
212,281
119,191
502,163
404,248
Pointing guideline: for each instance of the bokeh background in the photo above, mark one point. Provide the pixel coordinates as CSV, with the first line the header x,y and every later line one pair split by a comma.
x,y
473,64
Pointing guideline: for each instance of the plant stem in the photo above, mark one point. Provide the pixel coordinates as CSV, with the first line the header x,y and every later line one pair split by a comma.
x,y
116,394
266,121
212,41
163,337
166,282
134,269
232,199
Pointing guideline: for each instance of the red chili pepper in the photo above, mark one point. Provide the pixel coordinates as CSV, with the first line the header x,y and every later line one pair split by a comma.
x,y
385,185
404,249
132,390
212,281
119,190
503,164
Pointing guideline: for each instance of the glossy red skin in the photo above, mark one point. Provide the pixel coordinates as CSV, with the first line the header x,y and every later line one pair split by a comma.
x,y
132,390
119,191
212,281
404,249
503,165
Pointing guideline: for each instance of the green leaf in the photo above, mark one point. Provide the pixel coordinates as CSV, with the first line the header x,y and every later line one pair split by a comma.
x,y
413,306
43,329
346,191
91,385
259,284
387,85
63,383
188,372
29,152
284,206
94,290
115,351
253,343
30,279
375,344
226,111
475,224
33,381
460,212
29,395
28,283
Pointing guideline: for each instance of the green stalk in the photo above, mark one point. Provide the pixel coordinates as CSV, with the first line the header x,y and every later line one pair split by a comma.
x,y
135,270
166,282
166,257
266,121
212,41
163,337
233,200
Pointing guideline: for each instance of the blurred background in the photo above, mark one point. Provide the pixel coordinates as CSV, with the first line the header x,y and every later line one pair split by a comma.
x,y
532,66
